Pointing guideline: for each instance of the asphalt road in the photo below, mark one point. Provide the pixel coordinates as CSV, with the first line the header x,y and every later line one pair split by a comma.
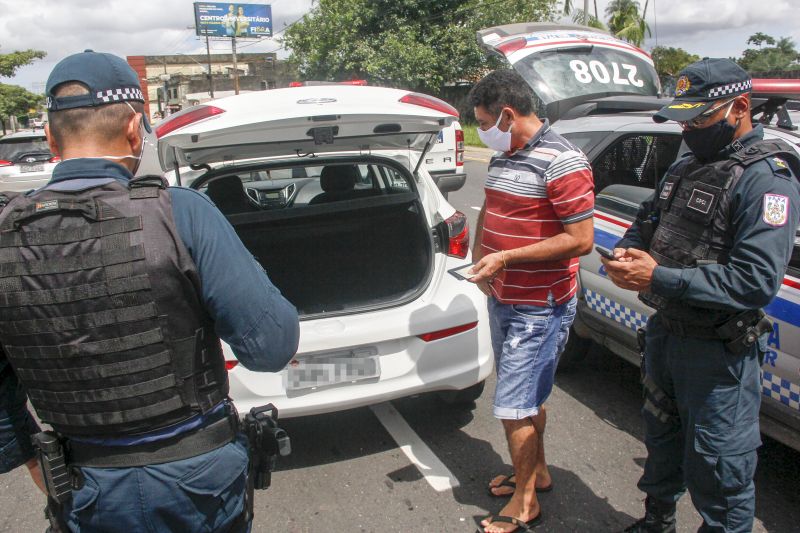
x,y
348,473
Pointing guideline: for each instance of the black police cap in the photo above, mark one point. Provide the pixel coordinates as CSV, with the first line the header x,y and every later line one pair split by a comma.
x,y
109,79
701,84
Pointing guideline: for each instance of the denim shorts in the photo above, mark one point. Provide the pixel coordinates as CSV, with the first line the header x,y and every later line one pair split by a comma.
x,y
527,341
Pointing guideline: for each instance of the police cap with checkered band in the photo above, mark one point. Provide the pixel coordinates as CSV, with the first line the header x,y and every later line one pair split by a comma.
x,y
109,79
703,83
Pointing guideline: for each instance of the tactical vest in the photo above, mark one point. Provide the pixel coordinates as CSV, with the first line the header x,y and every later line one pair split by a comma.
x,y
100,311
695,225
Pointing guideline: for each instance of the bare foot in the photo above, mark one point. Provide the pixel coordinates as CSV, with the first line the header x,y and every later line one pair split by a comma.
x,y
496,486
511,509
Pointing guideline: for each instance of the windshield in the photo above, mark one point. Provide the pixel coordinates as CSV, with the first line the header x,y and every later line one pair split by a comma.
x,y
12,149
587,70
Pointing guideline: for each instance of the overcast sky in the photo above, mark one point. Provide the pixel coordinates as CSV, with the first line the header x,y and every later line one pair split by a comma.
x,y
152,27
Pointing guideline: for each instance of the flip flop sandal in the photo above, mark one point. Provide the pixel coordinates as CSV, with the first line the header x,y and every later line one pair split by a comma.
x,y
521,526
513,485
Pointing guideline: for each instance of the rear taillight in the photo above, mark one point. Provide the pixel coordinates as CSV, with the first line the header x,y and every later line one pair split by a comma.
x,y
4,163
189,116
430,102
54,159
458,233
230,364
459,148
448,332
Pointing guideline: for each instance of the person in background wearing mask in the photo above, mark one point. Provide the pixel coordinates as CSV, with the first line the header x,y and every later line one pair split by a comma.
x,y
708,251
534,224
116,292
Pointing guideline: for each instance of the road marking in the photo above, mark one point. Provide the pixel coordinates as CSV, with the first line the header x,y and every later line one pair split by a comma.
x,y
435,472
481,159
476,208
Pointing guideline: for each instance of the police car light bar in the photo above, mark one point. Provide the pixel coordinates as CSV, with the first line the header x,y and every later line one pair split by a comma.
x,y
777,88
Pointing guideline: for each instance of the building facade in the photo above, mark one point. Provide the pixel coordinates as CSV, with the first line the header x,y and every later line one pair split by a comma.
x,y
173,82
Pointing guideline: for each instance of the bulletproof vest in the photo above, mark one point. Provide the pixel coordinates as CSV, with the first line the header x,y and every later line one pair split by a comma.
x,y
100,311
695,226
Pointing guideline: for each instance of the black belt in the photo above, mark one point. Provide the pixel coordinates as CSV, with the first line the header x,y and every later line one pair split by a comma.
x,y
729,329
184,446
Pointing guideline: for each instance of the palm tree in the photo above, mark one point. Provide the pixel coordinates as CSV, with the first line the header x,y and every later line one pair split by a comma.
x,y
582,17
626,22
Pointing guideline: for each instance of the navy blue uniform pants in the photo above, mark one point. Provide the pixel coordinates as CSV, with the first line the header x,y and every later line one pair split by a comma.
x,y
200,494
708,443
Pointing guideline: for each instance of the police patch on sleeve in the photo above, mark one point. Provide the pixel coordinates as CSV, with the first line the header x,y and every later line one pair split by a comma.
x,y
776,209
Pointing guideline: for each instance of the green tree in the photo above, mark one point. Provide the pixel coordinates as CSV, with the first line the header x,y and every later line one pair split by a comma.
x,y
669,61
9,63
625,21
419,44
14,100
770,55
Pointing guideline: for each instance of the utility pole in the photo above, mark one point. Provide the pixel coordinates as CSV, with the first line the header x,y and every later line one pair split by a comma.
x,y
210,77
235,67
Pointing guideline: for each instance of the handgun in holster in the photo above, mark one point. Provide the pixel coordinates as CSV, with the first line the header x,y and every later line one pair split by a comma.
x,y
56,476
266,441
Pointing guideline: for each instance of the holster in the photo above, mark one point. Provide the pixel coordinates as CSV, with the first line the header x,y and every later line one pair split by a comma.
x,y
57,480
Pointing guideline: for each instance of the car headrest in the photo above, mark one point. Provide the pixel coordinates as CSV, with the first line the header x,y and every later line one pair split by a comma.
x,y
226,187
339,178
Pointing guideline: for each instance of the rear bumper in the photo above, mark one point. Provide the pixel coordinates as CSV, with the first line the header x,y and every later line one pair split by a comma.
x,y
408,365
449,181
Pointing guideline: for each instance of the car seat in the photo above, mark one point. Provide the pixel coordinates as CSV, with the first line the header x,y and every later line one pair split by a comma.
x,y
228,195
338,183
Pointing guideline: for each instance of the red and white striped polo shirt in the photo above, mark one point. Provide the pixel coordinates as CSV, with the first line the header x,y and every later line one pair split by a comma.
x,y
530,195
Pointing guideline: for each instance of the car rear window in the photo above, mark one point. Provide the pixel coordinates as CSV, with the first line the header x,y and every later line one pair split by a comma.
x,y
13,149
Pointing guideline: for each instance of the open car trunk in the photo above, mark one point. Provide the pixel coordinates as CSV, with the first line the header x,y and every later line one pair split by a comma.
x,y
335,255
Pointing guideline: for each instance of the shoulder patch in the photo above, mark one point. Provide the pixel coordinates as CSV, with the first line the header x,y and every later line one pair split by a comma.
x,y
779,167
776,209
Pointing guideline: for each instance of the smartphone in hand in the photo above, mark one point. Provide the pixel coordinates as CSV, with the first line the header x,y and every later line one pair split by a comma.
x,y
605,252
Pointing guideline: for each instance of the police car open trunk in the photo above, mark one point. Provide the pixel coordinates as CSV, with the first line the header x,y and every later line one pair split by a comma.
x,y
321,190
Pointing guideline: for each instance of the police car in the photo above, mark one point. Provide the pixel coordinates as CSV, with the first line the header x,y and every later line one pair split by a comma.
x,y
605,96
327,188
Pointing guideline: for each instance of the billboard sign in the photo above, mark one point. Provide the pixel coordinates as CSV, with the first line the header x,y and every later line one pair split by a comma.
x,y
217,19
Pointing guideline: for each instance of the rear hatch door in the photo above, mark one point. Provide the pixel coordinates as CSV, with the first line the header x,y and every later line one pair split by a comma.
x,y
569,64
302,121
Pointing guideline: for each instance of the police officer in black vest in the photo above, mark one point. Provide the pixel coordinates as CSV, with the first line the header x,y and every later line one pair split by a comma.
x,y
708,251
114,294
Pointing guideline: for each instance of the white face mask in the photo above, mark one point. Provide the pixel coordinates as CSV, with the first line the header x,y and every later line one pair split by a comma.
x,y
495,138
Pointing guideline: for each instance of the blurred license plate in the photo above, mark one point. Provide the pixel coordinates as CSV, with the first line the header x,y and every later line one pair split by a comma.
x,y
324,370
31,168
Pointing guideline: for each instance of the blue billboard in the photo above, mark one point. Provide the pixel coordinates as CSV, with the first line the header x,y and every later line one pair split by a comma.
x,y
217,19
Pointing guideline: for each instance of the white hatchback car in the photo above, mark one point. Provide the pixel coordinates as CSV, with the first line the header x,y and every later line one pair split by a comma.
x,y
325,187
25,161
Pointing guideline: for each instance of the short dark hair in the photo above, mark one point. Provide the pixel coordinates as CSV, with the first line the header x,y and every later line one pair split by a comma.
x,y
101,122
503,88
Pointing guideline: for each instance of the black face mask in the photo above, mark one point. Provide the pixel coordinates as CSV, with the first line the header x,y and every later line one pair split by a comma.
x,y
706,143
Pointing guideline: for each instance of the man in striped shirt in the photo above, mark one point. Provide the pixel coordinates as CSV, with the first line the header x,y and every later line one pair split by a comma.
x,y
535,223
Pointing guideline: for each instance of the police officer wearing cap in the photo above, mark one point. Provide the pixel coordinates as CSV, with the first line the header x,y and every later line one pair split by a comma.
x,y
115,294
708,251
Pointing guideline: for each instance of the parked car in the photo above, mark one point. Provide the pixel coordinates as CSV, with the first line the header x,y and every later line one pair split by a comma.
x,y
326,187
25,161
629,154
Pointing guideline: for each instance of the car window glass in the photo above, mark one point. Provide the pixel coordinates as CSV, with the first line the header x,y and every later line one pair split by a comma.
x,y
11,149
639,160
584,140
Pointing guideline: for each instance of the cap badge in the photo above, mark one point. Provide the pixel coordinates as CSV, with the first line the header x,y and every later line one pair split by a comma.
x,y
682,86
